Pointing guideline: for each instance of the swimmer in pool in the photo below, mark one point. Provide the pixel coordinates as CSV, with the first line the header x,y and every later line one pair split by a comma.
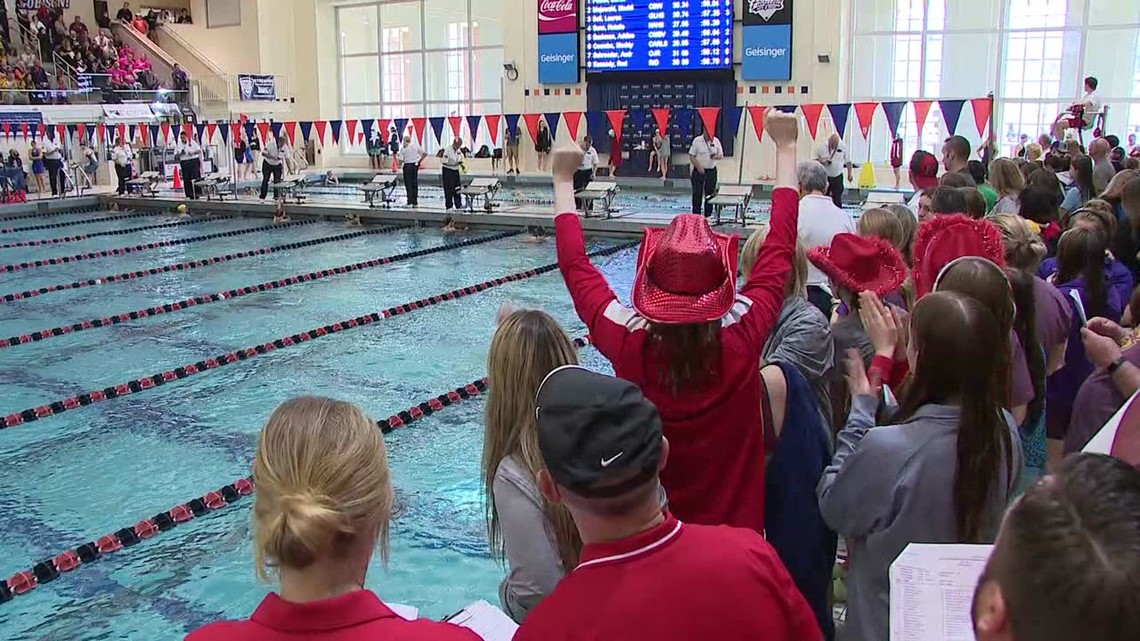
x,y
279,216
536,235
450,226
353,220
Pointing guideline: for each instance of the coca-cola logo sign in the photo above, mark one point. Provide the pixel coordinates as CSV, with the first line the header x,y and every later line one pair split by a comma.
x,y
557,16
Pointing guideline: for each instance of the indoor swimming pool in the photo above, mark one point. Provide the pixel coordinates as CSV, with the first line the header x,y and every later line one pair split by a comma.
x,y
73,471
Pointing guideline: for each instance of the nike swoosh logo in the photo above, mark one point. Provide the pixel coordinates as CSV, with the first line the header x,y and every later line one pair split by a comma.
x,y
606,461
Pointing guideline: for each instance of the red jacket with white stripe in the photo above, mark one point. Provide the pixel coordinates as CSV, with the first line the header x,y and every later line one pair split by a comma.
x,y
715,472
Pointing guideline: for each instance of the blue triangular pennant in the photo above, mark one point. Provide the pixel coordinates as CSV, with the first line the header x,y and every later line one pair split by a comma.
x,y
366,126
513,123
732,117
200,128
224,130
131,131
684,120
154,133
788,109
401,126
839,113
473,125
552,119
637,119
250,131
597,125
951,112
437,127
893,112
306,129
71,129
275,127
336,125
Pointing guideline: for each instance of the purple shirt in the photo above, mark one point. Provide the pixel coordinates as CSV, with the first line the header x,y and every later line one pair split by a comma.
x,y
1115,273
1097,400
1021,388
1054,314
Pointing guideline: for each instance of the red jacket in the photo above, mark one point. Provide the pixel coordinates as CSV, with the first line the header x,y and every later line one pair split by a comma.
x,y
715,472
356,616
676,582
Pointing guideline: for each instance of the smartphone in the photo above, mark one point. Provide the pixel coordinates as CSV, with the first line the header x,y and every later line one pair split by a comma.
x,y
1081,315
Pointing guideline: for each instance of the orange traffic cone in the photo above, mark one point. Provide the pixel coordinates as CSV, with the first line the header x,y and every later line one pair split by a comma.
x,y
177,178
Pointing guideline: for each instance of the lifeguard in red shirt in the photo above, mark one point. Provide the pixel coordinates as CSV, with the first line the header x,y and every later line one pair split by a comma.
x,y
643,574
691,343
324,499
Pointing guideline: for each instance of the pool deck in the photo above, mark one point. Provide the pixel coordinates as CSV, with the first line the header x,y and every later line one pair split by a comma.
x,y
626,222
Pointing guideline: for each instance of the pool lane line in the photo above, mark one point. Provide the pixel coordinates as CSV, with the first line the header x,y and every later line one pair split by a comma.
x,y
134,249
49,570
185,371
195,264
49,214
206,299
84,221
114,232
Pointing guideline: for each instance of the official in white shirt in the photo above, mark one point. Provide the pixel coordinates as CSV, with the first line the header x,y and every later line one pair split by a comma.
x,y
270,164
586,170
190,162
1081,114
53,162
409,157
833,157
122,156
703,154
820,221
452,162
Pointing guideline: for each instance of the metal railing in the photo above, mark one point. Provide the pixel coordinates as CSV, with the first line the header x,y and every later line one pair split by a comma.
x,y
88,96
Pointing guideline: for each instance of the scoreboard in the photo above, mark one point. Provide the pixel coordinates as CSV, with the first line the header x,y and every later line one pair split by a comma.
x,y
658,35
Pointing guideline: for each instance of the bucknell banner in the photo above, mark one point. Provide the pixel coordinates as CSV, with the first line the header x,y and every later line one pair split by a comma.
x,y
767,12
557,16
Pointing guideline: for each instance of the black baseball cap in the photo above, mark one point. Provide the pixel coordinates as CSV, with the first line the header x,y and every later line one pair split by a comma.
x,y
593,427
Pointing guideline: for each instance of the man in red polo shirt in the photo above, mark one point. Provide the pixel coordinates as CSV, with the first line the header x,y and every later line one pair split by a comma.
x,y
643,574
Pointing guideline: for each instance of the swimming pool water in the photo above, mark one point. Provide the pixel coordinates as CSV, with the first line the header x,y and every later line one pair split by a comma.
x,y
70,478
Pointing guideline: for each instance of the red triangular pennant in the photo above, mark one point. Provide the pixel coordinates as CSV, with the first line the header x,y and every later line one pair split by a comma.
x,y
235,131
532,125
573,121
493,127
122,131
456,124
165,127
708,117
7,130
322,127
291,131
983,109
661,115
351,124
263,129
61,132
616,118
24,129
188,129
211,130
81,129
418,125
756,115
101,131
921,111
812,113
865,113
382,126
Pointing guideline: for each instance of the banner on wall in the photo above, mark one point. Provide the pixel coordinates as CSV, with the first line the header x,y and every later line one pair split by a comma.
x,y
257,87
767,40
25,5
557,16
17,117
558,59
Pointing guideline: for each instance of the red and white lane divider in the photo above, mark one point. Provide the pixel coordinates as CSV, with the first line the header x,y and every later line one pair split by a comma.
x,y
206,299
157,380
193,264
49,214
72,223
49,570
133,249
113,232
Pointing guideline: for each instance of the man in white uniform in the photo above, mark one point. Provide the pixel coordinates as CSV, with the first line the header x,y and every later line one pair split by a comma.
x,y
833,157
452,162
409,157
190,162
703,154
586,170
53,162
122,156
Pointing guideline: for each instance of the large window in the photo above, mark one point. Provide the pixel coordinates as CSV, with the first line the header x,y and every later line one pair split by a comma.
x,y
1031,54
407,58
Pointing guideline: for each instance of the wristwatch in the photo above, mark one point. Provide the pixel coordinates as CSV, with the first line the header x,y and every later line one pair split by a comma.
x,y
1115,365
